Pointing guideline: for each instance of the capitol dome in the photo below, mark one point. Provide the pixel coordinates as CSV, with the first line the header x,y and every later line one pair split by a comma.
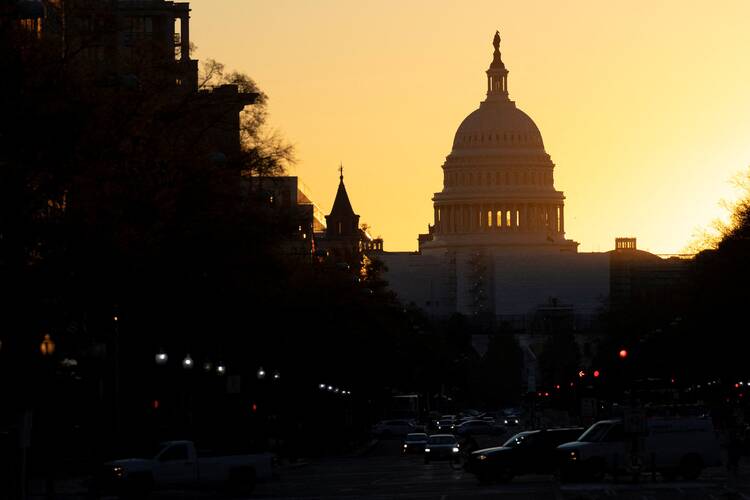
x,y
498,181
497,125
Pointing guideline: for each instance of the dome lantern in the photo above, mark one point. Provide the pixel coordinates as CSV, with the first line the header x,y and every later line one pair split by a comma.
x,y
497,74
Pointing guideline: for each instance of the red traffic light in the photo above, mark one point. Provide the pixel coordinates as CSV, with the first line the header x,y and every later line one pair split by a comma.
x,y
623,354
155,404
596,373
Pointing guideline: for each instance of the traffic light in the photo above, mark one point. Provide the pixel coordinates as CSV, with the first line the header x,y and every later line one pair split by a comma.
x,y
581,374
597,373
623,354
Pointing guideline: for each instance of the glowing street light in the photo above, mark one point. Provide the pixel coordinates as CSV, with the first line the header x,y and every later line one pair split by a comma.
x,y
276,375
207,366
47,346
221,369
261,373
187,363
161,358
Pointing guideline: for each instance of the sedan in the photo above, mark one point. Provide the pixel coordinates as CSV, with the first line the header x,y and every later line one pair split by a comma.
x,y
441,447
446,424
414,443
530,452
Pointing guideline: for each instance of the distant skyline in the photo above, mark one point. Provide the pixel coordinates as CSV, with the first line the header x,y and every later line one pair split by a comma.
x,y
644,107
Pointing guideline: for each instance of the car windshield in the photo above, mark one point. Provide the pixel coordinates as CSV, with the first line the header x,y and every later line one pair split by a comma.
x,y
595,433
416,437
518,440
442,440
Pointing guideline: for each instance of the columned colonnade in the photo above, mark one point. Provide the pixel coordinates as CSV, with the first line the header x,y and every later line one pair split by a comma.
x,y
480,217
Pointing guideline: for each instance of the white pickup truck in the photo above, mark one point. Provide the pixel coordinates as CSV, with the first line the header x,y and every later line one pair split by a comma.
x,y
671,445
177,465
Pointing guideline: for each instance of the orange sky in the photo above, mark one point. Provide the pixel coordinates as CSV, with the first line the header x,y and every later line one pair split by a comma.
x,y
643,106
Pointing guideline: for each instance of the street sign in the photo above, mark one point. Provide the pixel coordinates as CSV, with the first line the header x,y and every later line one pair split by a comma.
x,y
634,421
588,407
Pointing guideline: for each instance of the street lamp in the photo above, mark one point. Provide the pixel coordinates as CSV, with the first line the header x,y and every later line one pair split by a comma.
x,y
207,366
276,375
261,373
47,346
161,358
187,363
221,369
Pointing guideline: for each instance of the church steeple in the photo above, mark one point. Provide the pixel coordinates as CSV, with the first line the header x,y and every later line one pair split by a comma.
x,y
497,74
342,222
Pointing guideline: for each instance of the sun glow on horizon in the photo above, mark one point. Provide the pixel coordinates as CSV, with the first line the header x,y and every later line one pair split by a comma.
x,y
642,107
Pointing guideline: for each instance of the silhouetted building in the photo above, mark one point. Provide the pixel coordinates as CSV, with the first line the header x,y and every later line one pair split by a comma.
x,y
298,217
642,278
140,46
145,39
344,239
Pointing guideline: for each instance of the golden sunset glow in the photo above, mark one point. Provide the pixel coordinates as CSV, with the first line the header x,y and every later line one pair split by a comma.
x,y
643,106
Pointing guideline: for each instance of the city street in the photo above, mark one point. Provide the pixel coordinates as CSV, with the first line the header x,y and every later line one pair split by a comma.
x,y
382,473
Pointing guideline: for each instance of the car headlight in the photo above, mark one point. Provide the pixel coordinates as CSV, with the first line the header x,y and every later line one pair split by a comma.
x,y
118,471
482,457
406,446
426,450
455,449
505,421
573,455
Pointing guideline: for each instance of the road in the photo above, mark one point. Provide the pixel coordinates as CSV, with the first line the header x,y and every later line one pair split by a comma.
x,y
382,473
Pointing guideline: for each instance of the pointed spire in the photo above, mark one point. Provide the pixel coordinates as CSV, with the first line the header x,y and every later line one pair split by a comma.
x,y
342,222
341,204
497,74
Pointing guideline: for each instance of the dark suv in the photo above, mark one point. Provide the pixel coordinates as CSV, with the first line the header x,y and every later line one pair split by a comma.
x,y
530,452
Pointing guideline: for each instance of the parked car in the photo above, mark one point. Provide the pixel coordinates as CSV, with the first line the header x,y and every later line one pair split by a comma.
x,y
387,428
414,443
474,427
672,446
442,447
177,464
530,452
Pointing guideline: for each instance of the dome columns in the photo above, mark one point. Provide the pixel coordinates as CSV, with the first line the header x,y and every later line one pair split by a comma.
x,y
453,218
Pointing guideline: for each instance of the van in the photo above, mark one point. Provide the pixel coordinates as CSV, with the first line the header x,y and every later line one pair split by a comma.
x,y
671,445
